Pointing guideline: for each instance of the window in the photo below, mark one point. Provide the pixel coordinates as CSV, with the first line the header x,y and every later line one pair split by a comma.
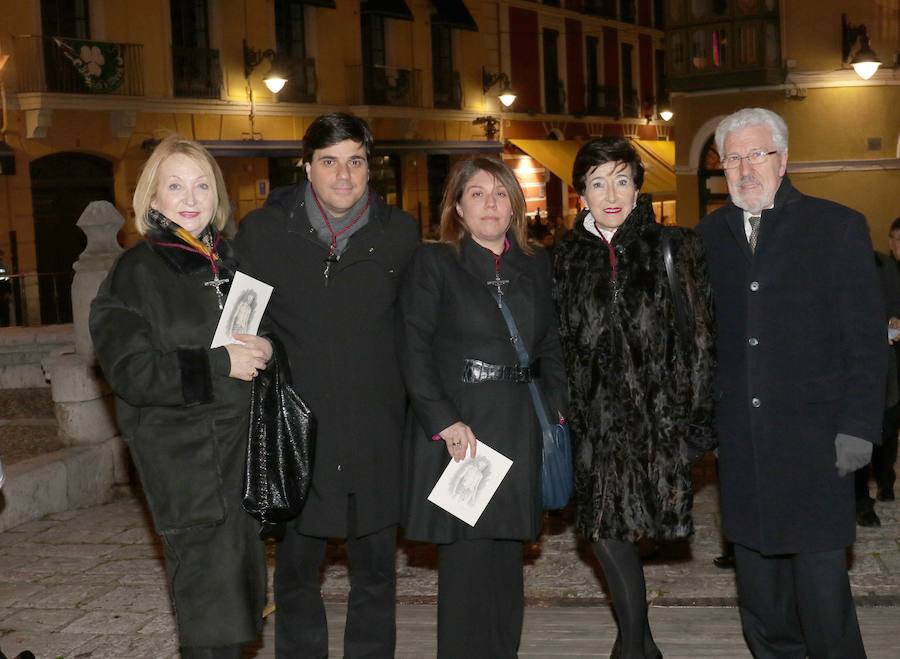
x,y
195,66
629,93
65,18
447,90
290,40
554,94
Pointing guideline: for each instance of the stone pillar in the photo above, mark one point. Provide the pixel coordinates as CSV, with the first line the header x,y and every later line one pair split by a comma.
x,y
81,396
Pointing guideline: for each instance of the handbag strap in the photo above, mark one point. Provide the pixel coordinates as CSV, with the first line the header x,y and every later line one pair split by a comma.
x,y
525,361
681,316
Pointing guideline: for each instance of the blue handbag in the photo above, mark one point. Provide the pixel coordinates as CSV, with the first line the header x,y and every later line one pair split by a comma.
x,y
556,473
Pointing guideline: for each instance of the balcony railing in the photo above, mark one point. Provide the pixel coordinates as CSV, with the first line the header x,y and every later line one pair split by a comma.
x,y
302,85
384,85
555,97
36,298
78,66
196,72
630,105
447,90
603,100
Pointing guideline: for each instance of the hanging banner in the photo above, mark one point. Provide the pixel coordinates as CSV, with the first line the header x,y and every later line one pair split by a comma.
x,y
100,63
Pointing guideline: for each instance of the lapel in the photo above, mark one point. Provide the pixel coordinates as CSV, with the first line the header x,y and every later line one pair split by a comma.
x,y
735,222
776,221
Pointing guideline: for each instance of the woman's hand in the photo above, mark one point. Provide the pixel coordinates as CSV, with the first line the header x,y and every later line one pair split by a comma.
x,y
248,357
458,437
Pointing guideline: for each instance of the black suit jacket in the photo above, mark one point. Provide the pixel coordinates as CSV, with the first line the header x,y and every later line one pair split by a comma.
x,y
801,339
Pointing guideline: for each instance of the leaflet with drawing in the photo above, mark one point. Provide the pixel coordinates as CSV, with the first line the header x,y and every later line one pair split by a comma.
x,y
466,487
244,308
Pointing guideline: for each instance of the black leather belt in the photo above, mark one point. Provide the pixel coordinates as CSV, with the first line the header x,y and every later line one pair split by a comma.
x,y
475,370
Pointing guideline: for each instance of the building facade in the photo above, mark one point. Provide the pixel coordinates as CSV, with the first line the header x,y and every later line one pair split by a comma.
x,y
91,85
790,56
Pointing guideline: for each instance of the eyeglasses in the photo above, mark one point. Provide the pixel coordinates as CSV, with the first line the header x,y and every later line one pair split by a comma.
x,y
754,158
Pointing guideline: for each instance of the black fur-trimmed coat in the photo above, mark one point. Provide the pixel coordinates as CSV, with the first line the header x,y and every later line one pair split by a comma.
x,y
185,422
640,392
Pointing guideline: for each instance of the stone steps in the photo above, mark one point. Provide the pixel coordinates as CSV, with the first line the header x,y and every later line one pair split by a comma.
x,y
28,425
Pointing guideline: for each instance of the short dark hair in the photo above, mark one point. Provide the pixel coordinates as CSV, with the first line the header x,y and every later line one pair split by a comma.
x,y
895,225
601,151
329,129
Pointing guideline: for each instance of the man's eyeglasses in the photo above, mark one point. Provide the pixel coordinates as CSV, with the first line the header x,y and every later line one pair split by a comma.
x,y
754,158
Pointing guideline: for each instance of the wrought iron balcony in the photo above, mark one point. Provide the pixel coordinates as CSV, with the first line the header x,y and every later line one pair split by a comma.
x,y
302,83
385,85
196,73
555,97
78,66
630,105
447,90
603,100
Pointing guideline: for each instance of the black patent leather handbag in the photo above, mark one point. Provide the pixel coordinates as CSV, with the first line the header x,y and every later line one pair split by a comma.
x,y
280,448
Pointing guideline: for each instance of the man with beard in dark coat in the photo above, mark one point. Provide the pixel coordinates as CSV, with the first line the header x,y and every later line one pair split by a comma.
x,y
801,374
335,253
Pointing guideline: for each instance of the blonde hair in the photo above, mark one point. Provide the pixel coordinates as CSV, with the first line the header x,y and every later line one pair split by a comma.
x,y
453,229
149,180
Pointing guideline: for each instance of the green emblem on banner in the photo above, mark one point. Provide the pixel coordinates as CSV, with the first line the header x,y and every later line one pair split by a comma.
x,y
100,63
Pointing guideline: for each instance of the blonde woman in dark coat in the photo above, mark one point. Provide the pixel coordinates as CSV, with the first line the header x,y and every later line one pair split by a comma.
x,y
182,407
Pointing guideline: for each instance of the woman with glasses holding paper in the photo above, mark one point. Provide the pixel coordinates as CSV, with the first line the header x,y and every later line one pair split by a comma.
x,y
470,396
182,406
636,329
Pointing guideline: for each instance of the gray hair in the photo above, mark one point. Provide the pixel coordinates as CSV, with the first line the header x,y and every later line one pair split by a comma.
x,y
753,117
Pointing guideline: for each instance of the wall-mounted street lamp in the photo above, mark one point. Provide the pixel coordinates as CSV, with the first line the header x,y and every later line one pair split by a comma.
x,y
506,95
665,111
276,78
865,62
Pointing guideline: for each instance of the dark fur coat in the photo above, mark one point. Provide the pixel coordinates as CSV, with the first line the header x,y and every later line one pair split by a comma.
x,y
640,392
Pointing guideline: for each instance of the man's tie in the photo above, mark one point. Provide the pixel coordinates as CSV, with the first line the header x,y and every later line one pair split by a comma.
x,y
754,231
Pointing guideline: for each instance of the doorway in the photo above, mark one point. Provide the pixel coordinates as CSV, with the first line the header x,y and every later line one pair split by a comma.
x,y
62,185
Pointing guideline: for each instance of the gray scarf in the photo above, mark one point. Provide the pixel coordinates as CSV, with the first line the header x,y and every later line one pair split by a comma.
x,y
337,223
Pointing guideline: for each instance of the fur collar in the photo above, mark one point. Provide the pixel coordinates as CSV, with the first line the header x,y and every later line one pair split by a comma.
x,y
632,228
185,262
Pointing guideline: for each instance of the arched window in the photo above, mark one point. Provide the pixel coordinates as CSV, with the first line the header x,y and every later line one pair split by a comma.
x,y
711,177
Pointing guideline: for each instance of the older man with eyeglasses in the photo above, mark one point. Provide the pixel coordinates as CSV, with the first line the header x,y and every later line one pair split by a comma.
x,y
800,390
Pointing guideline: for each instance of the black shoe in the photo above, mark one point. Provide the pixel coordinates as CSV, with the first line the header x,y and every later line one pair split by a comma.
x,y
886,495
867,518
724,562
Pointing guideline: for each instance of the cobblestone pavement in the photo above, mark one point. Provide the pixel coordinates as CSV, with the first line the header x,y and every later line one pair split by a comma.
x,y
90,583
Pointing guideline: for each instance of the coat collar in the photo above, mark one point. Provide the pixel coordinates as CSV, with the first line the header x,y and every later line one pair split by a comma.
x,y
185,262
632,228
292,202
786,195
479,261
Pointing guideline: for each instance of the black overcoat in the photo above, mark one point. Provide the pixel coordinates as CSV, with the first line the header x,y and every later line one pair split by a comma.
x,y
448,315
185,422
340,340
640,391
801,346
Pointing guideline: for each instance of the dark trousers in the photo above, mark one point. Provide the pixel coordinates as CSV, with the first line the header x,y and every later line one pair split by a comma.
x,y
883,459
481,599
797,605
301,631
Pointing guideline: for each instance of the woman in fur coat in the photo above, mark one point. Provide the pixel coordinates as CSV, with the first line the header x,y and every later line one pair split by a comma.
x,y
639,381
183,407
